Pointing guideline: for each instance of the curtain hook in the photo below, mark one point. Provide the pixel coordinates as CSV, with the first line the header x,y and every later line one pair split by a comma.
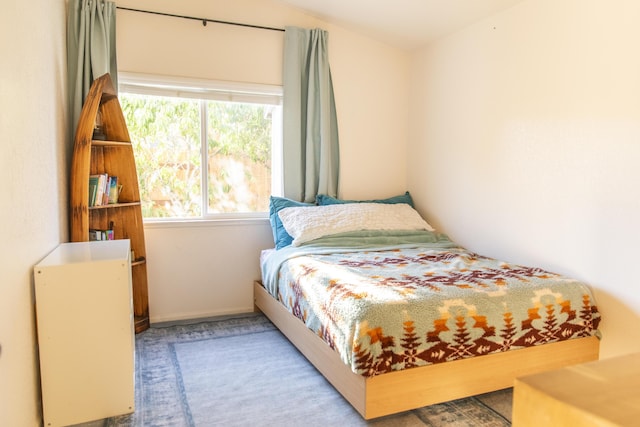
x,y
204,22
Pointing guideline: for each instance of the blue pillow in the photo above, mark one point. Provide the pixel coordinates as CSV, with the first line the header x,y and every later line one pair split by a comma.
x,y
322,200
280,236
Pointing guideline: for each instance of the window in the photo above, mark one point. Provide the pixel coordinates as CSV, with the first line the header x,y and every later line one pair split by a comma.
x,y
182,127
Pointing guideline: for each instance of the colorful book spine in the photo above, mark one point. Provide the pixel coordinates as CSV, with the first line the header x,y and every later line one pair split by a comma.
x,y
93,189
103,189
95,234
100,192
105,193
113,190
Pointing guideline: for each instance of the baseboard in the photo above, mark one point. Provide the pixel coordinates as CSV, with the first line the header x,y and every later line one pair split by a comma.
x,y
192,320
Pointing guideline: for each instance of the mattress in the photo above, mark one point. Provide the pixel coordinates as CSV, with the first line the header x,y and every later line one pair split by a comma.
x,y
391,304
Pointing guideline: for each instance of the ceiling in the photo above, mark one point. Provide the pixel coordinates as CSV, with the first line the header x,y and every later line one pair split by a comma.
x,y
407,24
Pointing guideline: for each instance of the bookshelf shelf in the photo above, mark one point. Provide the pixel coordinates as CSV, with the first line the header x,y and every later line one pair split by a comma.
x,y
115,205
114,157
101,143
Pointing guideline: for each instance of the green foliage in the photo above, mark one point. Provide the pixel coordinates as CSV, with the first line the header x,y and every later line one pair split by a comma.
x,y
239,130
165,133
239,145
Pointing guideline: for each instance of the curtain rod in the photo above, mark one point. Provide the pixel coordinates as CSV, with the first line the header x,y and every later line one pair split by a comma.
x,y
203,20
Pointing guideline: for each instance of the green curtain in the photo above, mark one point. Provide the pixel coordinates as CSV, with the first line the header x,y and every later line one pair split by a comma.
x,y
311,159
91,50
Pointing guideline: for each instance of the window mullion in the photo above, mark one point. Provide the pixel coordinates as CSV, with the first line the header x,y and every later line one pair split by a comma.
x,y
204,157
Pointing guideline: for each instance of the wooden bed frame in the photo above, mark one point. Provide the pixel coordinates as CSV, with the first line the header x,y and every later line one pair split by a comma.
x,y
413,388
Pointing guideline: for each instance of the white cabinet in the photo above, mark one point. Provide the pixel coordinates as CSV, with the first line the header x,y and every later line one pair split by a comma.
x,y
85,332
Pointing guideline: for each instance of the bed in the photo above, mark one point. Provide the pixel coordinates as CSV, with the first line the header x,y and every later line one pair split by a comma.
x,y
397,316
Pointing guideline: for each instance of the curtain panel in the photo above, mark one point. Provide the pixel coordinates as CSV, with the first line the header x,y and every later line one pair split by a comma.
x,y
311,157
91,50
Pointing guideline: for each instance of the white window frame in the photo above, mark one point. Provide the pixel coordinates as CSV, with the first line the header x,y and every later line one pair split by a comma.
x,y
204,89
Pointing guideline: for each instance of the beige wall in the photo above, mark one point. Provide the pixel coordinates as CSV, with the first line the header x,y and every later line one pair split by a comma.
x,y
33,172
207,269
525,145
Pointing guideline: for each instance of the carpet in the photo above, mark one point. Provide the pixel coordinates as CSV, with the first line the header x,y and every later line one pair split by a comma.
x,y
242,371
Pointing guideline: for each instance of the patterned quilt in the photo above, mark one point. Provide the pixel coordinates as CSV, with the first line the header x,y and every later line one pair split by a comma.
x,y
393,307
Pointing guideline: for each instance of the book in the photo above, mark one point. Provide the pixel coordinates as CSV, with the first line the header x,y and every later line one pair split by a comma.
x,y
113,190
102,181
103,189
93,188
107,186
97,234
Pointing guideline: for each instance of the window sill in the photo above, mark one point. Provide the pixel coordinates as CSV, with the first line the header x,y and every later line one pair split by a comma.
x,y
198,222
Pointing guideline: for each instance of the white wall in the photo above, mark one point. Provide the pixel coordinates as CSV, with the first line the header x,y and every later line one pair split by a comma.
x,y
33,172
525,145
201,269
209,268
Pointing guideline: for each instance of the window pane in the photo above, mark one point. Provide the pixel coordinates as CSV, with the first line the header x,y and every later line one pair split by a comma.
x,y
239,138
204,148
165,133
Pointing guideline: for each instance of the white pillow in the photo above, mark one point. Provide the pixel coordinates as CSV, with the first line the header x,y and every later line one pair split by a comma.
x,y
309,223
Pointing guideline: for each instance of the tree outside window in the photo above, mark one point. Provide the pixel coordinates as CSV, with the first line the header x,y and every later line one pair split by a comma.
x,y
171,152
